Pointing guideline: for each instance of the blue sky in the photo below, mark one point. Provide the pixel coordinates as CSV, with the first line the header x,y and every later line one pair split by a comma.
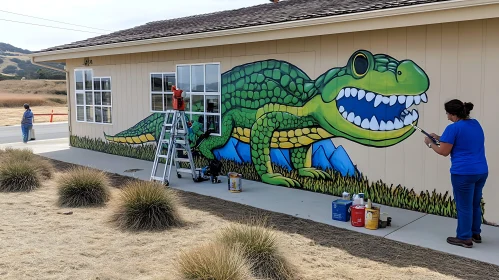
x,y
103,14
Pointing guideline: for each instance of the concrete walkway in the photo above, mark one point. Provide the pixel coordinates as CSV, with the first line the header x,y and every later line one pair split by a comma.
x,y
407,226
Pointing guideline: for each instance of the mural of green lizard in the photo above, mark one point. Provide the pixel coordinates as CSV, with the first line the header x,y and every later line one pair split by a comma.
x,y
273,104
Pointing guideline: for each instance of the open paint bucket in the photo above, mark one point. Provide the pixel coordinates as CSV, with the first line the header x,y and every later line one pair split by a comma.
x,y
235,180
372,218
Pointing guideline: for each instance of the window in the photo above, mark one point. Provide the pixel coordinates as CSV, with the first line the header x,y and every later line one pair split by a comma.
x,y
200,82
161,91
93,97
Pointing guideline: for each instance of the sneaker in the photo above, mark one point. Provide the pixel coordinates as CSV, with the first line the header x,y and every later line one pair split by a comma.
x,y
476,238
459,242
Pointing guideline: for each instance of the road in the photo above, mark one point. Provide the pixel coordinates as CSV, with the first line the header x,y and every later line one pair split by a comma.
x,y
12,134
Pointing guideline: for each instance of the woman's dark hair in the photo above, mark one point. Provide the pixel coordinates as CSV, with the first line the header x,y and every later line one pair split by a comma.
x,y
458,108
26,106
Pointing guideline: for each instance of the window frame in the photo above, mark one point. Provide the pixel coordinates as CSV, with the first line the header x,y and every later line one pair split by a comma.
x,y
162,92
204,93
93,91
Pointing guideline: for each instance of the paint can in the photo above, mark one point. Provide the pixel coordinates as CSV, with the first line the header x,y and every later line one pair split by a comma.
x,y
357,215
235,182
372,218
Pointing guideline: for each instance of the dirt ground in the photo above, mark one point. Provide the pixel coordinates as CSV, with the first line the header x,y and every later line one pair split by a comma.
x,y
39,243
12,116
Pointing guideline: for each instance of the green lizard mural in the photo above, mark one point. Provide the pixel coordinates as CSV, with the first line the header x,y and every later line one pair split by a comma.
x,y
272,105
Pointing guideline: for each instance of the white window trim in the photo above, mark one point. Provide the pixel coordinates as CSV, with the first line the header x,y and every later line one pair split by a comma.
x,y
204,93
163,92
93,97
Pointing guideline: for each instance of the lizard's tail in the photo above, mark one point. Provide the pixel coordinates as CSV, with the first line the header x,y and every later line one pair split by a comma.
x,y
144,131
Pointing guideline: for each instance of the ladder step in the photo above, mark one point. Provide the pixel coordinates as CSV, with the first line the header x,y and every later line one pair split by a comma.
x,y
182,160
178,141
156,178
184,170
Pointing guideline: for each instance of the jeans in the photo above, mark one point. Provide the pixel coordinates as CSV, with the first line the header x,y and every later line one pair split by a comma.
x,y
468,194
25,128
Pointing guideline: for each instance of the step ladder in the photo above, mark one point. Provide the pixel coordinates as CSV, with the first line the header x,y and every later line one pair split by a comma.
x,y
176,146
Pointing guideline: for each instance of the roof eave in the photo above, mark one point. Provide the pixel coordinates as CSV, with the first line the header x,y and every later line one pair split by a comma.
x,y
482,10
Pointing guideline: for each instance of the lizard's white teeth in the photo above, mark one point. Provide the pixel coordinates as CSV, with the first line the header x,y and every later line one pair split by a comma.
x,y
361,94
390,100
405,118
370,96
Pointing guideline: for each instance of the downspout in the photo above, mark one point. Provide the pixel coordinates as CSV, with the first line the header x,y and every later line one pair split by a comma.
x,y
68,87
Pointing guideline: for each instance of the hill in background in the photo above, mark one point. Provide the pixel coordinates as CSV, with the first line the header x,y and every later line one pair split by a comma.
x,y
15,64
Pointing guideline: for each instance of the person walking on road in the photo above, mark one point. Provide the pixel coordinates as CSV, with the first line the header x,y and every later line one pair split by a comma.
x,y
464,141
26,123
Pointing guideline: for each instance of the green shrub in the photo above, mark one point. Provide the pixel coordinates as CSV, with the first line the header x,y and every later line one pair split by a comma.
x,y
82,186
260,247
18,176
214,261
147,206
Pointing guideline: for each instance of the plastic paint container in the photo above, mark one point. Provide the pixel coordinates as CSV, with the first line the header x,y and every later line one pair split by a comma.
x,y
357,215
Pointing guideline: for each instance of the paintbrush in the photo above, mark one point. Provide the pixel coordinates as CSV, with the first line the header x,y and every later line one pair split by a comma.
x,y
428,135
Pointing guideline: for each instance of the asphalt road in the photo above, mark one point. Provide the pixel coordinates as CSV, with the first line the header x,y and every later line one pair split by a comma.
x,y
12,134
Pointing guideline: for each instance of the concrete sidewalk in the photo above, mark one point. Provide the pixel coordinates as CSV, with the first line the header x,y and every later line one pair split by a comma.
x,y
407,226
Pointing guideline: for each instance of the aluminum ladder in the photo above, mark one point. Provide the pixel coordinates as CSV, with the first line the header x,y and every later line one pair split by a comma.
x,y
176,124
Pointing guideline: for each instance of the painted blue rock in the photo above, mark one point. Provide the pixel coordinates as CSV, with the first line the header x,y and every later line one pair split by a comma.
x,y
320,160
325,155
341,162
228,151
281,157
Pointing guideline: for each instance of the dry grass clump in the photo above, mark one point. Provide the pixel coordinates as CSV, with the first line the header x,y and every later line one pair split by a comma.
x,y
214,261
147,205
81,186
18,176
43,166
260,247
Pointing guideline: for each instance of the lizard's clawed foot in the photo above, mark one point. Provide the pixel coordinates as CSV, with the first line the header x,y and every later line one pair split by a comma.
x,y
278,179
314,173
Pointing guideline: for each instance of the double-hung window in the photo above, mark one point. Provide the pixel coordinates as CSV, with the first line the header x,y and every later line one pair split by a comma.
x,y
200,83
161,91
93,97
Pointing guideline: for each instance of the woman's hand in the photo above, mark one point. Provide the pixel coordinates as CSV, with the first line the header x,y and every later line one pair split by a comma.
x,y
427,141
435,136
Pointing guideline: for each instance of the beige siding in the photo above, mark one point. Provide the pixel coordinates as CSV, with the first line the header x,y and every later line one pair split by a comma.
x,y
460,58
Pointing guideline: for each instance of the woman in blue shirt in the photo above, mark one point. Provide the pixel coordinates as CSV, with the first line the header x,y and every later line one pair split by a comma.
x,y
464,141
26,123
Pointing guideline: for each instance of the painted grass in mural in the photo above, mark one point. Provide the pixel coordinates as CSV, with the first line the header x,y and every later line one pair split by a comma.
x,y
378,191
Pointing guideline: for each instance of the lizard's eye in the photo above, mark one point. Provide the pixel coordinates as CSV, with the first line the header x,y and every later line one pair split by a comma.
x,y
360,65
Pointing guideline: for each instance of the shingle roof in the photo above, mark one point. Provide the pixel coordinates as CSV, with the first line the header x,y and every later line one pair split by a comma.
x,y
269,13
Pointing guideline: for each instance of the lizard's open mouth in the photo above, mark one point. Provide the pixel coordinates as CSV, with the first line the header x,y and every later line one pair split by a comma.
x,y
378,112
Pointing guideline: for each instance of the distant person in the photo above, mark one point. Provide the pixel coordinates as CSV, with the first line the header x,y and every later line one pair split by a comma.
x,y
26,123
464,140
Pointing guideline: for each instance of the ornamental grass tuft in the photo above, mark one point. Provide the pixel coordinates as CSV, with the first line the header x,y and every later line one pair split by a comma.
x,y
260,246
146,205
18,176
82,187
214,261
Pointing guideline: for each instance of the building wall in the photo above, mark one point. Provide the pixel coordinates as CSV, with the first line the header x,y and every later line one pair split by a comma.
x,y
460,60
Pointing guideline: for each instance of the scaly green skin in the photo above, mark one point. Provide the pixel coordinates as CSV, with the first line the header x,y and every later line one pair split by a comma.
x,y
252,95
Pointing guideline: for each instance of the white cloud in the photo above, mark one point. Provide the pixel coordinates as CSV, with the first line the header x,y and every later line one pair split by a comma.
x,y
104,14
